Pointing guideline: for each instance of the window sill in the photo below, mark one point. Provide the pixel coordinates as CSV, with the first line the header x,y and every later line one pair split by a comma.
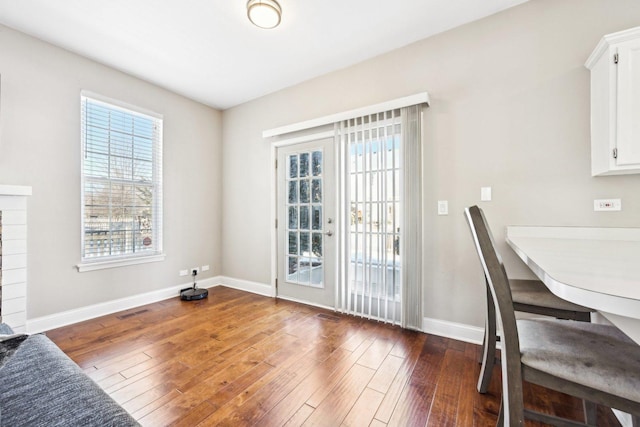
x,y
121,262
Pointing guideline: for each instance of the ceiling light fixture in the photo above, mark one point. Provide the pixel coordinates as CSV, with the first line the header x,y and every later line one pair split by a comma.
x,y
264,13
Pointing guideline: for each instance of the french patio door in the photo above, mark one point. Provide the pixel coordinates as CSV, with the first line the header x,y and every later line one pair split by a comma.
x,y
349,216
306,222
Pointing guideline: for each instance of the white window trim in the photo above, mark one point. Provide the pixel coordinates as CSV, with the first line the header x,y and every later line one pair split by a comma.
x,y
124,262
128,260
120,104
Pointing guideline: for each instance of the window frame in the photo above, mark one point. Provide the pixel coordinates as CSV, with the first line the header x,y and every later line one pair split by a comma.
x,y
109,261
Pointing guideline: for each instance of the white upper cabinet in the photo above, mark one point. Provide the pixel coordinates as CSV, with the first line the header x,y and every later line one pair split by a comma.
x,y
615,104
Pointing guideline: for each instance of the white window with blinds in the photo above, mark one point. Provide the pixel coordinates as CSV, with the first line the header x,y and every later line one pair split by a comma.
x,y
121,184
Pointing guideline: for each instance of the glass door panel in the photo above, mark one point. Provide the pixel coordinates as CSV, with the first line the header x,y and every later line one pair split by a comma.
x,y
306,241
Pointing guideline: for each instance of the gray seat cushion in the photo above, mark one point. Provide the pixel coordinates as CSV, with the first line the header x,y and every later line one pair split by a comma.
x,y
593,355
534,292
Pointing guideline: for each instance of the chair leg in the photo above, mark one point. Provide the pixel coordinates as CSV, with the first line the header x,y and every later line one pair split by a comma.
x,y
590,412
512,397
488,347
635,421
484,344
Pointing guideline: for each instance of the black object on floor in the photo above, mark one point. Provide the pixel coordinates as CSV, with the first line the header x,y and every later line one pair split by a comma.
x,y
193,293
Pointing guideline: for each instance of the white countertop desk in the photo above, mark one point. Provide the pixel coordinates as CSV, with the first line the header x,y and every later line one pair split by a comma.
x,y
595,267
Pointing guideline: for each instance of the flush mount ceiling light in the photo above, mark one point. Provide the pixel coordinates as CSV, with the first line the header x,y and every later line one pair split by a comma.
x,y
264,13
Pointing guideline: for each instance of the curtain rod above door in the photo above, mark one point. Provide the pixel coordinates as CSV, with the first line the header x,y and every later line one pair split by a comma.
x,y
419,98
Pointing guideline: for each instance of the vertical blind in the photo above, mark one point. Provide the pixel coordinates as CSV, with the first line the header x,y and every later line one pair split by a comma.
x,y
379,272
122,181
411,217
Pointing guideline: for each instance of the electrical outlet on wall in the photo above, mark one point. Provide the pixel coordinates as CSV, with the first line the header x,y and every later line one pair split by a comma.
x,y
196,269
205,268
607,205
183,272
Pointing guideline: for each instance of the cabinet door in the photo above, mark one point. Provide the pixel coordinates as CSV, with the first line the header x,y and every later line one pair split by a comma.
x,y
628,126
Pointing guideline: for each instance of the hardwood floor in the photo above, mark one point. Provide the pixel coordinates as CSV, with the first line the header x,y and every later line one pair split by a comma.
x,y
239,359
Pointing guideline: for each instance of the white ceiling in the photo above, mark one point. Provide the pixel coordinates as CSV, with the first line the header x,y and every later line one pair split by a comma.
x,y
207,50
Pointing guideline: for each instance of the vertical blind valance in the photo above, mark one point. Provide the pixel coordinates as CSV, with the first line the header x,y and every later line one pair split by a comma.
x,y
420,99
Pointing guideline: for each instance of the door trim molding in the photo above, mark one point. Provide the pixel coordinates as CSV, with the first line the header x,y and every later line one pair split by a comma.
x,y
273,208
312,304
305,138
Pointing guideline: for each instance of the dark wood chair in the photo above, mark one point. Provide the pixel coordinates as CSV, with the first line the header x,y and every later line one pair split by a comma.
x,y
529,296
594,362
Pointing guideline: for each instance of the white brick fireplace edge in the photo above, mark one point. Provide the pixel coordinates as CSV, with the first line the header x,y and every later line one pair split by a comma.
x,y
13,272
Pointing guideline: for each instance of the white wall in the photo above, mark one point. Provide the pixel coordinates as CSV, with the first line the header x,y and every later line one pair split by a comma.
x,y
40,147
510,109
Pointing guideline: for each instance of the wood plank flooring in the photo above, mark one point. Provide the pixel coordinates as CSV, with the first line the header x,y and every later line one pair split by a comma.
x,y
239,359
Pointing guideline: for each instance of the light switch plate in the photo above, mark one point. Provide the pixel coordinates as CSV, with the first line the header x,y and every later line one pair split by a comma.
x,y
443,207
485,194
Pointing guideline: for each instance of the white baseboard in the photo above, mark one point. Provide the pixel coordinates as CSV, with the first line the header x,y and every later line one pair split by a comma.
x,y
307,303
246,285
453,330
57,320
443,328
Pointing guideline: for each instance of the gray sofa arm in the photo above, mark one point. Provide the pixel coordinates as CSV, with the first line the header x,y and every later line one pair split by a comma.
x,y
41,386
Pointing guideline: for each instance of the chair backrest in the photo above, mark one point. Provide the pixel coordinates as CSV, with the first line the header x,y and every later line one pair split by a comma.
x,y
496,279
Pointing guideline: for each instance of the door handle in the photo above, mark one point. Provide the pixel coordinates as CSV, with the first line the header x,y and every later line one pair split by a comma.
x,y
329,233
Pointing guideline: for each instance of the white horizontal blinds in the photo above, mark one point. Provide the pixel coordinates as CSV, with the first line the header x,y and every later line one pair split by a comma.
x,y
122,181
371,177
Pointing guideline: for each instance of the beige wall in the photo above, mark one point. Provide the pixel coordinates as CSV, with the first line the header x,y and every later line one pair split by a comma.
x,y
40,147
510,110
